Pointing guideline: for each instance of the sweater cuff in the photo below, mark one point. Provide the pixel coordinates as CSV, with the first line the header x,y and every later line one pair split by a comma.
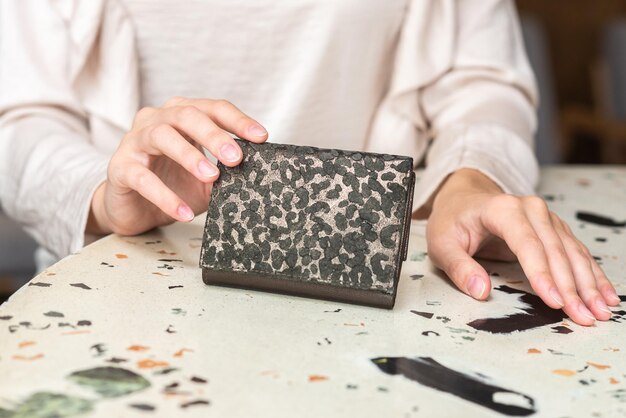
x,y
498,153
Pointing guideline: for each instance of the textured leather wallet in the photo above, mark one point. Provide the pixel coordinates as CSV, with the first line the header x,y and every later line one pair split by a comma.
x,y
312,222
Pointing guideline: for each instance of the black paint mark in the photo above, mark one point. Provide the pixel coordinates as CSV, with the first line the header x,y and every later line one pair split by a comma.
x,y
116,360
600,239
110,382
560,329
583,369
80,285
83,323
167,370
443,319
351,386
194,403
166,266
427,315
429,372
382,389
28,325
99,349
433,303
152,242
142,406
170,260
54,314
197,379
106,264
171,387
6,317
558,353
175,287
40,284
599,219
428,333
66,324
335,311
537,314
417,276
170,329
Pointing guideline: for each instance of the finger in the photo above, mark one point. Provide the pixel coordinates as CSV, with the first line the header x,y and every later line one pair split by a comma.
x,y
506,219
228,116
198,126
583,274
535,214
469,276
603,283
165,140
150,186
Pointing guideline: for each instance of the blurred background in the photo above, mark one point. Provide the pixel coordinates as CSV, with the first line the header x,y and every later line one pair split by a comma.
x,y
578,51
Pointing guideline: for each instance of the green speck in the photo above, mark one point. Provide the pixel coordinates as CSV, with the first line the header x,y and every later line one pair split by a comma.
x,y
418,256
50,405
110,382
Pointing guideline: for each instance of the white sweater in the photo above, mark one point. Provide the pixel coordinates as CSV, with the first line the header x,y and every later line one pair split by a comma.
x,y
385,76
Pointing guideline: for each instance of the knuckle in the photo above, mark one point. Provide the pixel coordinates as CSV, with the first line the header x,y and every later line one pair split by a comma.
x,y
222,105
144,113
508,202
174,101
159,131
186,112
535,203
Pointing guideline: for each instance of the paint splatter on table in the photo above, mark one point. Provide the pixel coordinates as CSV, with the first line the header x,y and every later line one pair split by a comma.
x,y
127,328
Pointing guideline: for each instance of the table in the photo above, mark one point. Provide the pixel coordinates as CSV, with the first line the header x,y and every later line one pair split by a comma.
x,y
127,328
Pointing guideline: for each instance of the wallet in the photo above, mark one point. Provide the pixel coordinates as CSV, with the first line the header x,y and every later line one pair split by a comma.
x,y
321,223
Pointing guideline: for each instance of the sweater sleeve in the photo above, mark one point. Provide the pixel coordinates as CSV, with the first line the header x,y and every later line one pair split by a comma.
x,y
49,167
480,110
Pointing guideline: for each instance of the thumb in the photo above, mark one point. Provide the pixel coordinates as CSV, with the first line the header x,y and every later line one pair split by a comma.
x,y
469,276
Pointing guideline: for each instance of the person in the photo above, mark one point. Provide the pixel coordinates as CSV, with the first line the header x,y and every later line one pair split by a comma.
x,y
107,106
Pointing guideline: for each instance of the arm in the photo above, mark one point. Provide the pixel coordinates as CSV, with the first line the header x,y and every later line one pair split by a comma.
x,y
481,171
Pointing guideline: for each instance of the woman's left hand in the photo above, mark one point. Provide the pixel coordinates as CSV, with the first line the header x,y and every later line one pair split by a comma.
x,y
472,217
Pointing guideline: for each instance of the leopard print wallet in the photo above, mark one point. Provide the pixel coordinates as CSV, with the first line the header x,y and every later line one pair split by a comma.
x,y
311,222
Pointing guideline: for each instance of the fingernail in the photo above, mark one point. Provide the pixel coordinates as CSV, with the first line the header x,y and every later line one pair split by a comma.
x,y
585,312
614,299
476,287
229,152
257,130
554,294
206,169
185,213
602,306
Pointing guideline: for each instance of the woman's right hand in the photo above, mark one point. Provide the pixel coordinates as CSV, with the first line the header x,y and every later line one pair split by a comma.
x,y
159,173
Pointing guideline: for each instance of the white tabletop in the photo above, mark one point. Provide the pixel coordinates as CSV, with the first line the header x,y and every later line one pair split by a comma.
x,y
127,328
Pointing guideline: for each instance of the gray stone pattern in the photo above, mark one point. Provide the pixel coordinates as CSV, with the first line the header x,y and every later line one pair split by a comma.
x,y
303,213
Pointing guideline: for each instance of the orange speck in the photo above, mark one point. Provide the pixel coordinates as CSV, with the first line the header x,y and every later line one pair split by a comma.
x,y
156,273
28,358
182,351
534,351
138,348
51,274
86,331
26,344
598,366
564,372
165,252
121,256
317,378
514,281
150,364
612,349
613,381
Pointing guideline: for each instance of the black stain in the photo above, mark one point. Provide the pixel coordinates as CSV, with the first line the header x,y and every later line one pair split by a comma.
x,y
28,325
427,315
335,311
54,314
40,284
116,360
99,349
167,370
560,329
600,239
535,315
106,264
6,317
599,219
417,276
429,333
152,242
195,403
170,329
142,406
80,285
175,287
84,323
197,379
170,260
430,373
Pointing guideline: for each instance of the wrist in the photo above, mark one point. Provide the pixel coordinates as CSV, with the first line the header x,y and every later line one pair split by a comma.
x,y
97,222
